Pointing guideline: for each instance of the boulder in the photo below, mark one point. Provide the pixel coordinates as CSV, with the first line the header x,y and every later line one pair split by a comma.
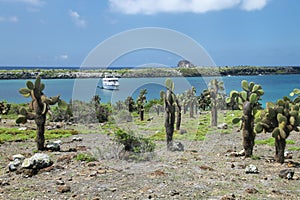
x,y
19,157
77,139
37,161
287,174
17,161
13,166
223,126
251,169
53,146
288,155
176,146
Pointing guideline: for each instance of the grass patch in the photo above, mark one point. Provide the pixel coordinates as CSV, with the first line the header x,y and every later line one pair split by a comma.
x,y
196,129
159,136
253,157
294,148
271,142
85,157
14,134
59,133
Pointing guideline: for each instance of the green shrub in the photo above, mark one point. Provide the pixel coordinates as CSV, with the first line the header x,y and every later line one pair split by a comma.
x,y
133,143
85,157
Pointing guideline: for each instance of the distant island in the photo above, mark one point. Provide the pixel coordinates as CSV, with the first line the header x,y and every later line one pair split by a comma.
x,y
184,69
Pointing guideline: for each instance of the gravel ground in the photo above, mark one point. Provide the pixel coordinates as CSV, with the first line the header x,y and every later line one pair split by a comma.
x,y
204,170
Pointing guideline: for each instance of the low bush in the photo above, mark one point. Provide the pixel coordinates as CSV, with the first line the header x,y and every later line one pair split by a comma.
x,y
133,143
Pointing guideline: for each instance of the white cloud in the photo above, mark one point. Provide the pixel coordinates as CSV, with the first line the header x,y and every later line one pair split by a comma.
x,y
77,19
12,19
253,4
64,57
178,6
61,57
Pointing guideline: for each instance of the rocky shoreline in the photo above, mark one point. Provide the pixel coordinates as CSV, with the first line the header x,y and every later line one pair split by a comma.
x,y
146,72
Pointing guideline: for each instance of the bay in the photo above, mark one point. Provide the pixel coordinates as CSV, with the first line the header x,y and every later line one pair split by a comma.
x,y
275,87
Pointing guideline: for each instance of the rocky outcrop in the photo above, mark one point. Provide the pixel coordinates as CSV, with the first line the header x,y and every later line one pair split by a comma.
x,y
185,64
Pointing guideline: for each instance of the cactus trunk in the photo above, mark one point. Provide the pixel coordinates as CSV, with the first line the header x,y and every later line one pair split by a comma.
x,y
214,116
178,122
191,109
279,147
169,125
40,138
142,114
169,118
248,126
248,135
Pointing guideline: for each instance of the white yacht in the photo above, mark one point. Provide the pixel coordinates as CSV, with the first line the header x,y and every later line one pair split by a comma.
x,y
110,82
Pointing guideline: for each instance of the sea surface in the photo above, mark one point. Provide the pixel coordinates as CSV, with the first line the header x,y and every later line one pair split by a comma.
x,y
275,87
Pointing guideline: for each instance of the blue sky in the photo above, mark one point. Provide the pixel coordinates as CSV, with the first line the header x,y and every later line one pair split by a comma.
x,y
233,32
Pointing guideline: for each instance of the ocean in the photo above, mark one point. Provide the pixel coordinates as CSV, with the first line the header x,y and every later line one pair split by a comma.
x,y
275,87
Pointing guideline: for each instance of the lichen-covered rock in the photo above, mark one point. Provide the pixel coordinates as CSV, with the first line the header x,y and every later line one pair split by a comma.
x,y
17,161
251,169
13,166
19,157
37,161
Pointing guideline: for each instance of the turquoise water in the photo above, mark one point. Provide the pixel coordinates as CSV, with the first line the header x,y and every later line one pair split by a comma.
x,y
275,87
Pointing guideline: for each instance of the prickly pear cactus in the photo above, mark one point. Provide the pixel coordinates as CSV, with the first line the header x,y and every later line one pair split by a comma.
x,y
171,102
280,119
38,108
216,89
170,112
4,108
248,101
140,103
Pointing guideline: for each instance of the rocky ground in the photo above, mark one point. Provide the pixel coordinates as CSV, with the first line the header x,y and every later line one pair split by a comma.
x,y
204,170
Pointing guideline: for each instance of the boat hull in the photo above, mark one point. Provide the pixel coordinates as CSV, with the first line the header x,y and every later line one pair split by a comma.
x,y
110,87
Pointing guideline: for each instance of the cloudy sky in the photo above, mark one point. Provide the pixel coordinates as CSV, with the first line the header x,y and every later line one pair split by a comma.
x,y
232,32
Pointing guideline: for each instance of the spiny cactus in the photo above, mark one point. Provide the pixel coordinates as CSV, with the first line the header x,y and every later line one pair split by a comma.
x,y
130,104
216,88
280,119
38,108
204,100
4,108
191,100
248,101
140,103
170,107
